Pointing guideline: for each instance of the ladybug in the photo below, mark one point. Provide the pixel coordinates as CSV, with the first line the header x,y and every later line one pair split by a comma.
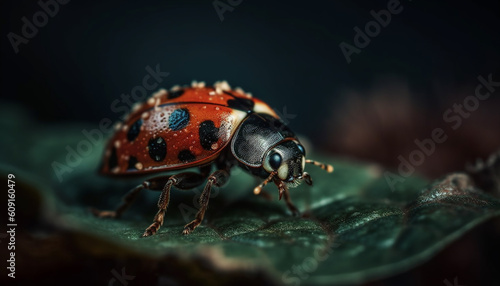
x,y
203,126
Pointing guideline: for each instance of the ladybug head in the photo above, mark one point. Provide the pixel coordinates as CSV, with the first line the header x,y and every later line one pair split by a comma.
x,y
287,161
285,164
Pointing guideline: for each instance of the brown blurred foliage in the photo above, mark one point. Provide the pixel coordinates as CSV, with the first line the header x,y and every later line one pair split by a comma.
x,y
381,123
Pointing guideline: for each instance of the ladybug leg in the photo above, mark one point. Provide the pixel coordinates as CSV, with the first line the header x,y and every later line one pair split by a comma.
x,y
187,180
152,184
127,200
284,191
259,189
218,179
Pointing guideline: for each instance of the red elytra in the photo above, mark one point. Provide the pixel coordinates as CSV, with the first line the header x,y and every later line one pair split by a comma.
x,y
128,150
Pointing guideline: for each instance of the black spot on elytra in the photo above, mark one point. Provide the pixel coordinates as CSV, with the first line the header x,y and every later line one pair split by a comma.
x,y
186,156
175,94
134,130
131,163
209,134
179,119
157,148
239,103
113,159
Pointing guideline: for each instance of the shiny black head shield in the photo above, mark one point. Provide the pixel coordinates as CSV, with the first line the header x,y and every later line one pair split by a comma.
x,y
256,135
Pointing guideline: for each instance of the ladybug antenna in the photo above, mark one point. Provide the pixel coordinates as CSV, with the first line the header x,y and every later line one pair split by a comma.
x,y
258,189
326,167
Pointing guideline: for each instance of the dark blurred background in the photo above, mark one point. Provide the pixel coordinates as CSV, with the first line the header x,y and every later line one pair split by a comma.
x,y
393,92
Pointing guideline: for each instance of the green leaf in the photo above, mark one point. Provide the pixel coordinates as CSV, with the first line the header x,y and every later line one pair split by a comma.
x,y
353,228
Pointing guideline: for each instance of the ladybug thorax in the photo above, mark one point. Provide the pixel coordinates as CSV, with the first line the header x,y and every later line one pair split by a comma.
x,y
264,144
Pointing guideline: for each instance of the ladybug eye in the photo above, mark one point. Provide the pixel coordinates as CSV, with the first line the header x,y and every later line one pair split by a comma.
x,y
301,149
275,161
